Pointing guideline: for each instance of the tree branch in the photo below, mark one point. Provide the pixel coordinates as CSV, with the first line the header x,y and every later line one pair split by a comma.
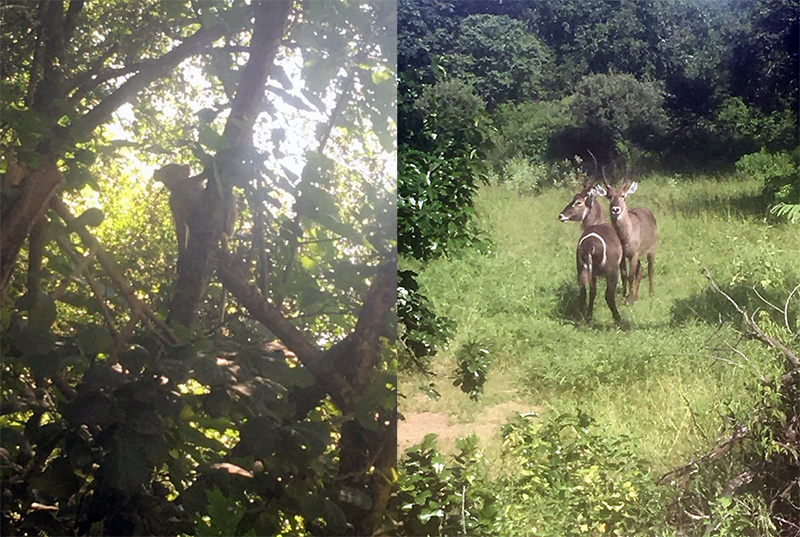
x,y
84,125
137,306
35,191
71,19
754,329
382,296
205,230
236,278
270,23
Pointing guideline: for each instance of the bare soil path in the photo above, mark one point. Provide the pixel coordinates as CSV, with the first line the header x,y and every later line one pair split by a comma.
x,y
485,425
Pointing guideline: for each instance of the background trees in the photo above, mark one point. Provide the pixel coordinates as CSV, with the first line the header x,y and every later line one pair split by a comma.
x,y
265,403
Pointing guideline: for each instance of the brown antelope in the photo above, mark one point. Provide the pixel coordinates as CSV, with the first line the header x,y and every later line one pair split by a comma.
x,y
637,232
599,249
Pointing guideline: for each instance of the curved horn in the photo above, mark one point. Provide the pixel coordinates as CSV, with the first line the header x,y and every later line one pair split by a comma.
x,y
627,175
594,159
605,181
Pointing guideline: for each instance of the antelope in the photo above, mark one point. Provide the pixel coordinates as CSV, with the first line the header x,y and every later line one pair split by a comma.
x,y
637,232
599,249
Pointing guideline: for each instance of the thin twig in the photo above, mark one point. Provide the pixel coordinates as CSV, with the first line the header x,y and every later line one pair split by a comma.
x,y
740,353
765,301
107,317
754,328
79,268
786,308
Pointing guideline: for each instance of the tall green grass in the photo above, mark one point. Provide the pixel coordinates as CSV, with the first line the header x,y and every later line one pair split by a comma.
x,y
668,376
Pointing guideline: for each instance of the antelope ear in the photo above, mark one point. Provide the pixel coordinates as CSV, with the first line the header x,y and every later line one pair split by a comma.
x,y
598,190
632,188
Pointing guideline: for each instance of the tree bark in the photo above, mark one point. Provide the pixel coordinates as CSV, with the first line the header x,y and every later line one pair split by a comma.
x,y
204,231
35,192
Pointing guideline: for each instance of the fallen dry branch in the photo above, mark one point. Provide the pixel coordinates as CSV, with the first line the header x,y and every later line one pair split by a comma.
x,y
773,470
720,449
754,329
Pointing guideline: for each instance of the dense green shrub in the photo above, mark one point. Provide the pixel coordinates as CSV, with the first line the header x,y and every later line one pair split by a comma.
x,y
421,332
502,58
473,365
454,112
779,171
524,177
747,125
441,496
572,478
609,109
526,129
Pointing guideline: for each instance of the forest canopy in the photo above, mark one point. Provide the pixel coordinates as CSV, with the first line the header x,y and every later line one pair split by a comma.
x,y
227,369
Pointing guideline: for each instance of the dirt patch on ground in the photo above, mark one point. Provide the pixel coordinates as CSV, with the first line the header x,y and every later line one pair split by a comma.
x,y
486,425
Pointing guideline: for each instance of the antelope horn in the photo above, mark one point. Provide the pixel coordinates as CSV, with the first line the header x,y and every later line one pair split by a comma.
x,y
605,180
594,159
627,175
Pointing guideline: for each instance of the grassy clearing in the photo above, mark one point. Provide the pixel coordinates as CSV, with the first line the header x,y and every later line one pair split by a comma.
x,y
666,378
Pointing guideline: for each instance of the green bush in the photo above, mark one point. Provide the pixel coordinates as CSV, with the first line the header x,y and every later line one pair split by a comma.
x,y
524,177
437,496
453,110
525,129
572,479
527,178
612,108
473,365
779,172
749,125
421,331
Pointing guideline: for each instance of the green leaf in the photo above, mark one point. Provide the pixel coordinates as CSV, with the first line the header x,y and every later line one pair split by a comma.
x,y
42,314
211,139
85,156
125,467
94,339
58,480
31,341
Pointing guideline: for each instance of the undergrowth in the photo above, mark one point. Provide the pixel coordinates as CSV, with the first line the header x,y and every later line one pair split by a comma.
x,y
671,381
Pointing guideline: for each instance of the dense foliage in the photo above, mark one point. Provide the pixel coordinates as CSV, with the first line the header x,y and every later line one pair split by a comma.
x,y
248,387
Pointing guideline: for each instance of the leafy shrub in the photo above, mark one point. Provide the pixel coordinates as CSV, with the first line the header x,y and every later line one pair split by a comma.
x,y
505,61
473,365
453,110
572,479
748,125
421,332
527,178
524,177
441,497
525,129
779,171
611,108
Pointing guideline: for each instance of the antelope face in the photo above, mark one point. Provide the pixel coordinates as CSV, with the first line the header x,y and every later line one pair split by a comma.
x,y
577,209
616,198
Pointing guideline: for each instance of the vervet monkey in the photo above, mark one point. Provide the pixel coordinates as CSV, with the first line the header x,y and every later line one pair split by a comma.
x,y
186,195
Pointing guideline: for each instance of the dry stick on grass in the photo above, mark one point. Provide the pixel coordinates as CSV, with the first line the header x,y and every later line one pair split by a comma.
x,y
742,431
